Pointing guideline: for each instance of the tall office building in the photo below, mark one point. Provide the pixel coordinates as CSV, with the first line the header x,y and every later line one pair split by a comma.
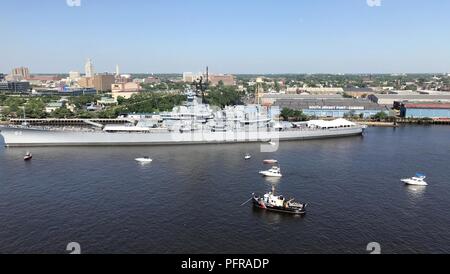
x,y
22,71
89,68
117,71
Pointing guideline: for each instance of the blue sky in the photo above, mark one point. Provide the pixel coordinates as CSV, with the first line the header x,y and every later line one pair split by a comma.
x,y
232,36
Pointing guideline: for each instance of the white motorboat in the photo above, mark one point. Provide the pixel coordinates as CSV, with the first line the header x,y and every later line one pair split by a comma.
x,y
247,156
272,143
144,160
28,156
273,172
418,180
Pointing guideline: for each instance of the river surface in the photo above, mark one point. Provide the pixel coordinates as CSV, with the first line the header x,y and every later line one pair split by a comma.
x,y
188,199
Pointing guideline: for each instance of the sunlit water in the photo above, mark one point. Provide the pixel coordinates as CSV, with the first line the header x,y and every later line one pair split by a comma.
x,y
188,199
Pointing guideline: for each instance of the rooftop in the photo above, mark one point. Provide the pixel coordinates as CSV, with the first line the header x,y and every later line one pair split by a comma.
x,y
343,103
427,106
301,96
413,96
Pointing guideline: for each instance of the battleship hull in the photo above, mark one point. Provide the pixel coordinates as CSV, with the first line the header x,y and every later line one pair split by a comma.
x,y
27,137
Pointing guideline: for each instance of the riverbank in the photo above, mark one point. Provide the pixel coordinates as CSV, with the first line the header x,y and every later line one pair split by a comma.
x,y
403,121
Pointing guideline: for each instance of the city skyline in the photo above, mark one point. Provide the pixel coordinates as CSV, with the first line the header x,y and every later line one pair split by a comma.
x,y
255,37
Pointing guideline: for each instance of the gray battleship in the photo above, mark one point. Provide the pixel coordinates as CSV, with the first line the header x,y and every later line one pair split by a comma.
x,y
191,123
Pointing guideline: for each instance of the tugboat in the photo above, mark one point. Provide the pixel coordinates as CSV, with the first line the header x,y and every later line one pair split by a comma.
x,y
272,202
27,156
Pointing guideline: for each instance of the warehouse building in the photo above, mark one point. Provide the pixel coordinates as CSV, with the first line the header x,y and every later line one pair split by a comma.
x,y
335,107
390,99
425,110
269,99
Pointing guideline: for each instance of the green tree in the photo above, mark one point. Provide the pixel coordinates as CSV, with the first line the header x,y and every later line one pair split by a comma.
x,y
293,115
380,116
224,96
62,112
35,108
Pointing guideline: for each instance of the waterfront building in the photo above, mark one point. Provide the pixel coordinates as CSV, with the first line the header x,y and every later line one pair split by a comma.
x,y
103,82
333,107
15,87
425,110
2,76
268,99
23,72
125,90
89,68
396,99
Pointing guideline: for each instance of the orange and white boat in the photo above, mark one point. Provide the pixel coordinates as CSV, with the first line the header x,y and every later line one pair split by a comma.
x,y
270,161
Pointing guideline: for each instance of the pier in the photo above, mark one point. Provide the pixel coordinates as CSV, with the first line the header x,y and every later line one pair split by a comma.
x,y
377,124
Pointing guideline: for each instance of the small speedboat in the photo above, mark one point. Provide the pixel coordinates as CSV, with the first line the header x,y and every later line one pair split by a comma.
x,y
272,143
278,203
28,156
273,172
247,156
418,180
144,160
270,161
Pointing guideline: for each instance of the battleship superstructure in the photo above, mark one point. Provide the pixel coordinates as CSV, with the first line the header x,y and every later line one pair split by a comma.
x,y
191,123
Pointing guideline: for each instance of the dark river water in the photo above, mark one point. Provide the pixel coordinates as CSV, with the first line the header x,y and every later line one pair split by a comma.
x,y
188,199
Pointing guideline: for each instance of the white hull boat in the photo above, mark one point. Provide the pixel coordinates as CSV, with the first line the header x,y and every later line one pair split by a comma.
x,y
418,180
144,160
273,172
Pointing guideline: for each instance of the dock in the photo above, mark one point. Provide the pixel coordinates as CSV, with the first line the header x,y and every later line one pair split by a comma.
x,y
377,124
